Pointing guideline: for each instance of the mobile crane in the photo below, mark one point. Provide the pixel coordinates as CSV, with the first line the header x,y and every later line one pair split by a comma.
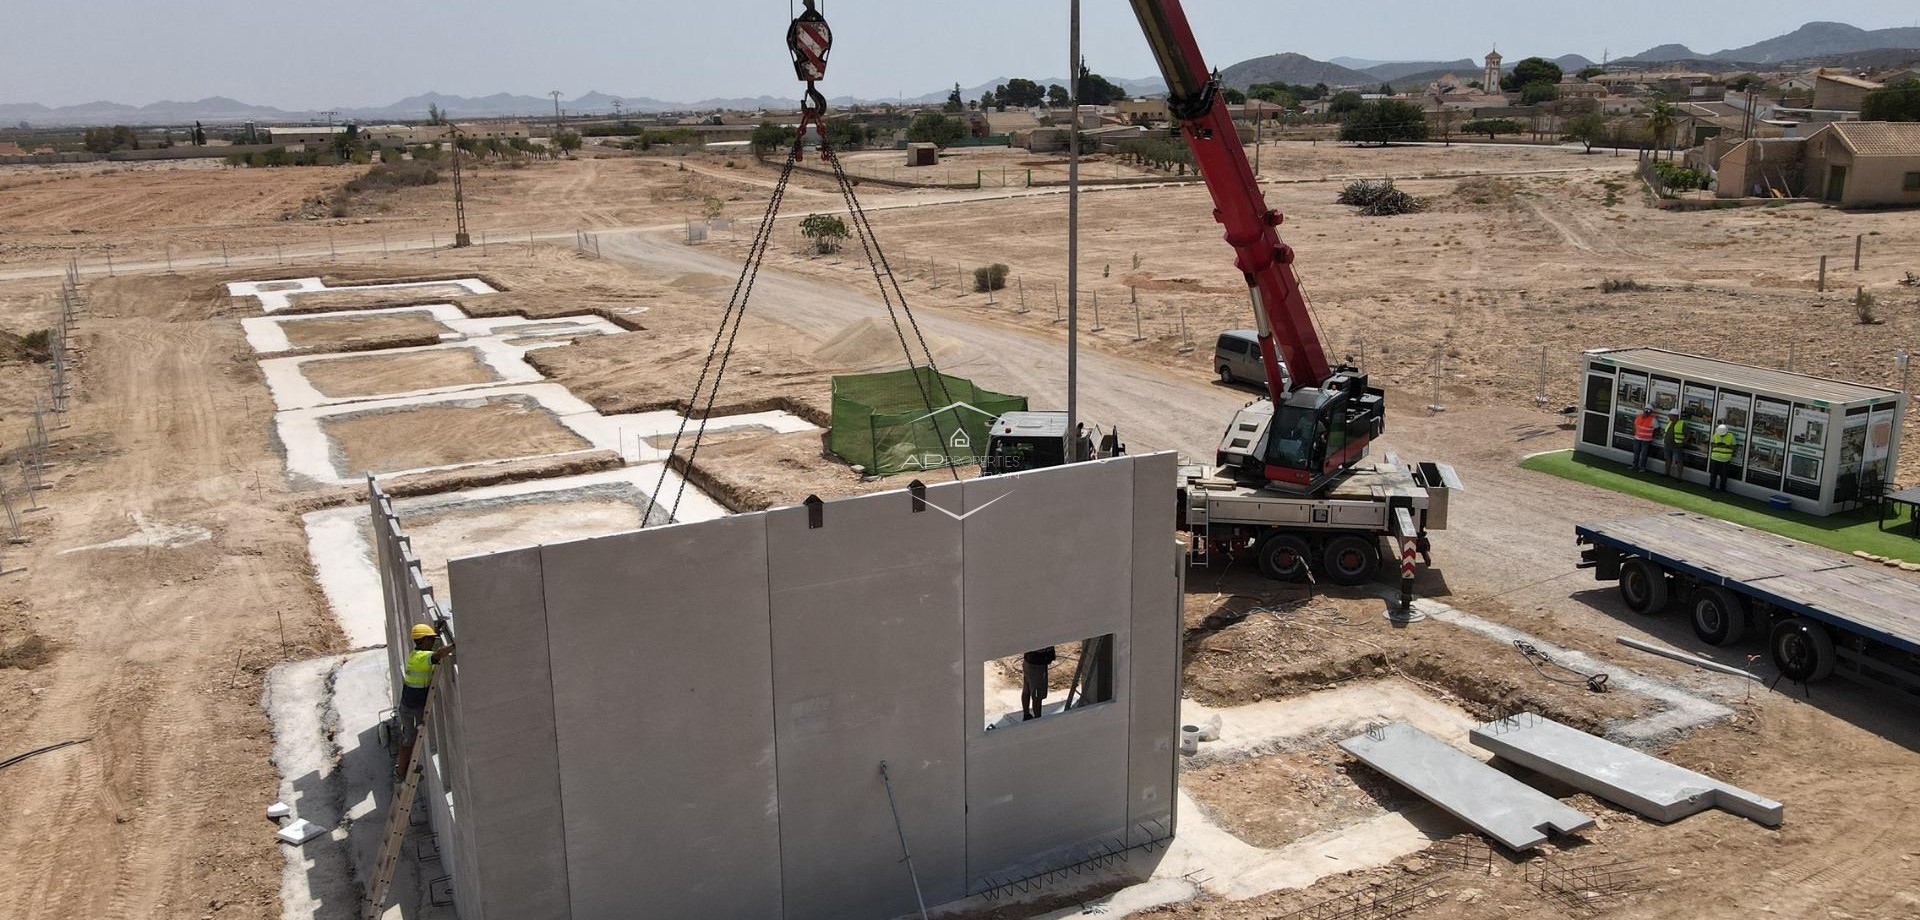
x,y
1288,478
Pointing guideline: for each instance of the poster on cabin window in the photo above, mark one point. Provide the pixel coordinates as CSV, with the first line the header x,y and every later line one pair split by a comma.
x,y
1807,440
1696,406
1880,435
1767,451
1666,395
1853,442
1630,394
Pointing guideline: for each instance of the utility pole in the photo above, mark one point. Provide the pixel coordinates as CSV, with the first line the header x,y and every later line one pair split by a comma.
x,y
556,111
460,238
1073,233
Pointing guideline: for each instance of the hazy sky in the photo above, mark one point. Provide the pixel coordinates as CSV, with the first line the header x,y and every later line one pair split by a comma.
x,y
302,55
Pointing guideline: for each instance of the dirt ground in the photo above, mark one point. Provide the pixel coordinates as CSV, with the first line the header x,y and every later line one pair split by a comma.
x,y
375,375
155,654
414,438
350,333
442,535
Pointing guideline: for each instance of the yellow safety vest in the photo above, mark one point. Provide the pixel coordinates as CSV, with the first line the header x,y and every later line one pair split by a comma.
x,y
419,670
1722,449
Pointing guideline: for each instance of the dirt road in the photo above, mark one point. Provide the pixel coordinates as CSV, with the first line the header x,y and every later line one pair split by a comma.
x,y
161,639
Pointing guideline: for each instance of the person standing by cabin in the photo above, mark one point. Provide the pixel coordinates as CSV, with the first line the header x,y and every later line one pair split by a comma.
x,y
1720,458
1643,428
1674,443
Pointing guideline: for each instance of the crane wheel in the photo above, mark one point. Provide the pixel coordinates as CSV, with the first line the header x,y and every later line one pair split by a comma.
x,y
1351,560
1719,615
1643,586
1802,650
1285,557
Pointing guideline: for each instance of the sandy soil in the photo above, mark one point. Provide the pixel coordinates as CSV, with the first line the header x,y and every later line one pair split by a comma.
x,y
376,375
330,301
1321,790
447,434
156,653
352,333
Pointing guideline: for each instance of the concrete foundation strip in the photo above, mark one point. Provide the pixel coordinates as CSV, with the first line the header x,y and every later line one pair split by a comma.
x,y
1515,814
1685,658
1647,785
1684,710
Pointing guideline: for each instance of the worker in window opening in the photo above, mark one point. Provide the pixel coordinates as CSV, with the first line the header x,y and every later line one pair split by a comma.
x,y
1643,426
416,676
1720,457
1676,440
1033,681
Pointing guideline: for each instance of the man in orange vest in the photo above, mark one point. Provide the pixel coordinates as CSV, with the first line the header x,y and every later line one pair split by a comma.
x,y
1643,425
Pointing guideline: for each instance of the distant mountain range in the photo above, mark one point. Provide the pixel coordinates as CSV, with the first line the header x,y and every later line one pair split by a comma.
x,y
222,110
1811,44
1813,40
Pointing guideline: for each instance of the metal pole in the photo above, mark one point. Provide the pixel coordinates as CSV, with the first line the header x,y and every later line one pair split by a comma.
x,y
224,261
906,855
1073,231
1823,274
109,264
169,258
1856,250
1097,327
1138,335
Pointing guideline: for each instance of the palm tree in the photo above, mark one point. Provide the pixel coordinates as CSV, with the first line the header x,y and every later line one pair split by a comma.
x,y
1661,117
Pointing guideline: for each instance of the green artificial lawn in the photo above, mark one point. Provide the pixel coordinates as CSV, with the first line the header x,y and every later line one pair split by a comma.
x,y
1844,532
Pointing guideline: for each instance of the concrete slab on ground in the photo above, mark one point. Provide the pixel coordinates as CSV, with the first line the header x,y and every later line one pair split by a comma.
x,y
275,295
1515,814
1647,785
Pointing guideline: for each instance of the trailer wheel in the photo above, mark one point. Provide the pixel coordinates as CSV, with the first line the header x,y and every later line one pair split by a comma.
x,y
1351,560
1802,650
1719,615
1643,586
1284,557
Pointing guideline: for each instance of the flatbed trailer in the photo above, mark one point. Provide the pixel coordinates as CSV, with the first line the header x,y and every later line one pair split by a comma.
x,y
1823,612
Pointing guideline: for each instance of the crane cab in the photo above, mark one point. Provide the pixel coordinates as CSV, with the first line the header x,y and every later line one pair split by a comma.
x,y
1314,435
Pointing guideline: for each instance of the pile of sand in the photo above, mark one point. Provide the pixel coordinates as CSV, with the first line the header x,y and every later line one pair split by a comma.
x,y
872,343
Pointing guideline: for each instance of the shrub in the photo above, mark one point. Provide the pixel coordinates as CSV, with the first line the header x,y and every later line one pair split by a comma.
x,y
1378,198
36,344
824,230
1863,304
1618,285
387,177
389,154
989,278
27,654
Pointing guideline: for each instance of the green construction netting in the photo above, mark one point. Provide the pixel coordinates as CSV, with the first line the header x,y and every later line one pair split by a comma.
x,y
880,421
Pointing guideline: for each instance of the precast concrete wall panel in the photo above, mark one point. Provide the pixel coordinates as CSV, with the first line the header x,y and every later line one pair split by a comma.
x,y
1154,651
868,667
663,709
511,800
1047,559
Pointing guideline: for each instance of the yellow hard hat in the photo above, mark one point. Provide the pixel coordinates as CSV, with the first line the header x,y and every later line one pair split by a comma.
x,y
423,631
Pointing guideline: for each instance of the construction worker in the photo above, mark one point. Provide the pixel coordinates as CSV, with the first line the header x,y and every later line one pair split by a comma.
x,y
1033,681
1720,457
1676,441
1643,426
416,676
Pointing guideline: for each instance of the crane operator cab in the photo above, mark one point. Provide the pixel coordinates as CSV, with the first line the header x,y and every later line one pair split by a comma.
x,y
1317,433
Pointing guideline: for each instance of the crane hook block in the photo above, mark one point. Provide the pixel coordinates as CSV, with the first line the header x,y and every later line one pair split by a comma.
x,y
810,41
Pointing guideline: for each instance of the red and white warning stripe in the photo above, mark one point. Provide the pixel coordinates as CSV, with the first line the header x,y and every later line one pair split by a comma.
x,y
1407,552
814,38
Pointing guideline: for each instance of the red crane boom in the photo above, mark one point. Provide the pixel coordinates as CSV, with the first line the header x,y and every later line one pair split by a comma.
x,y
1325,422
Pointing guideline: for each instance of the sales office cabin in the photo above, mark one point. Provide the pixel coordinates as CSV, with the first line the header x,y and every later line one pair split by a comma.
x,y
1816,440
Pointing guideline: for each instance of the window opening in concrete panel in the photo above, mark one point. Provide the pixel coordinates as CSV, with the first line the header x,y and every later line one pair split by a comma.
x,y
1048,681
